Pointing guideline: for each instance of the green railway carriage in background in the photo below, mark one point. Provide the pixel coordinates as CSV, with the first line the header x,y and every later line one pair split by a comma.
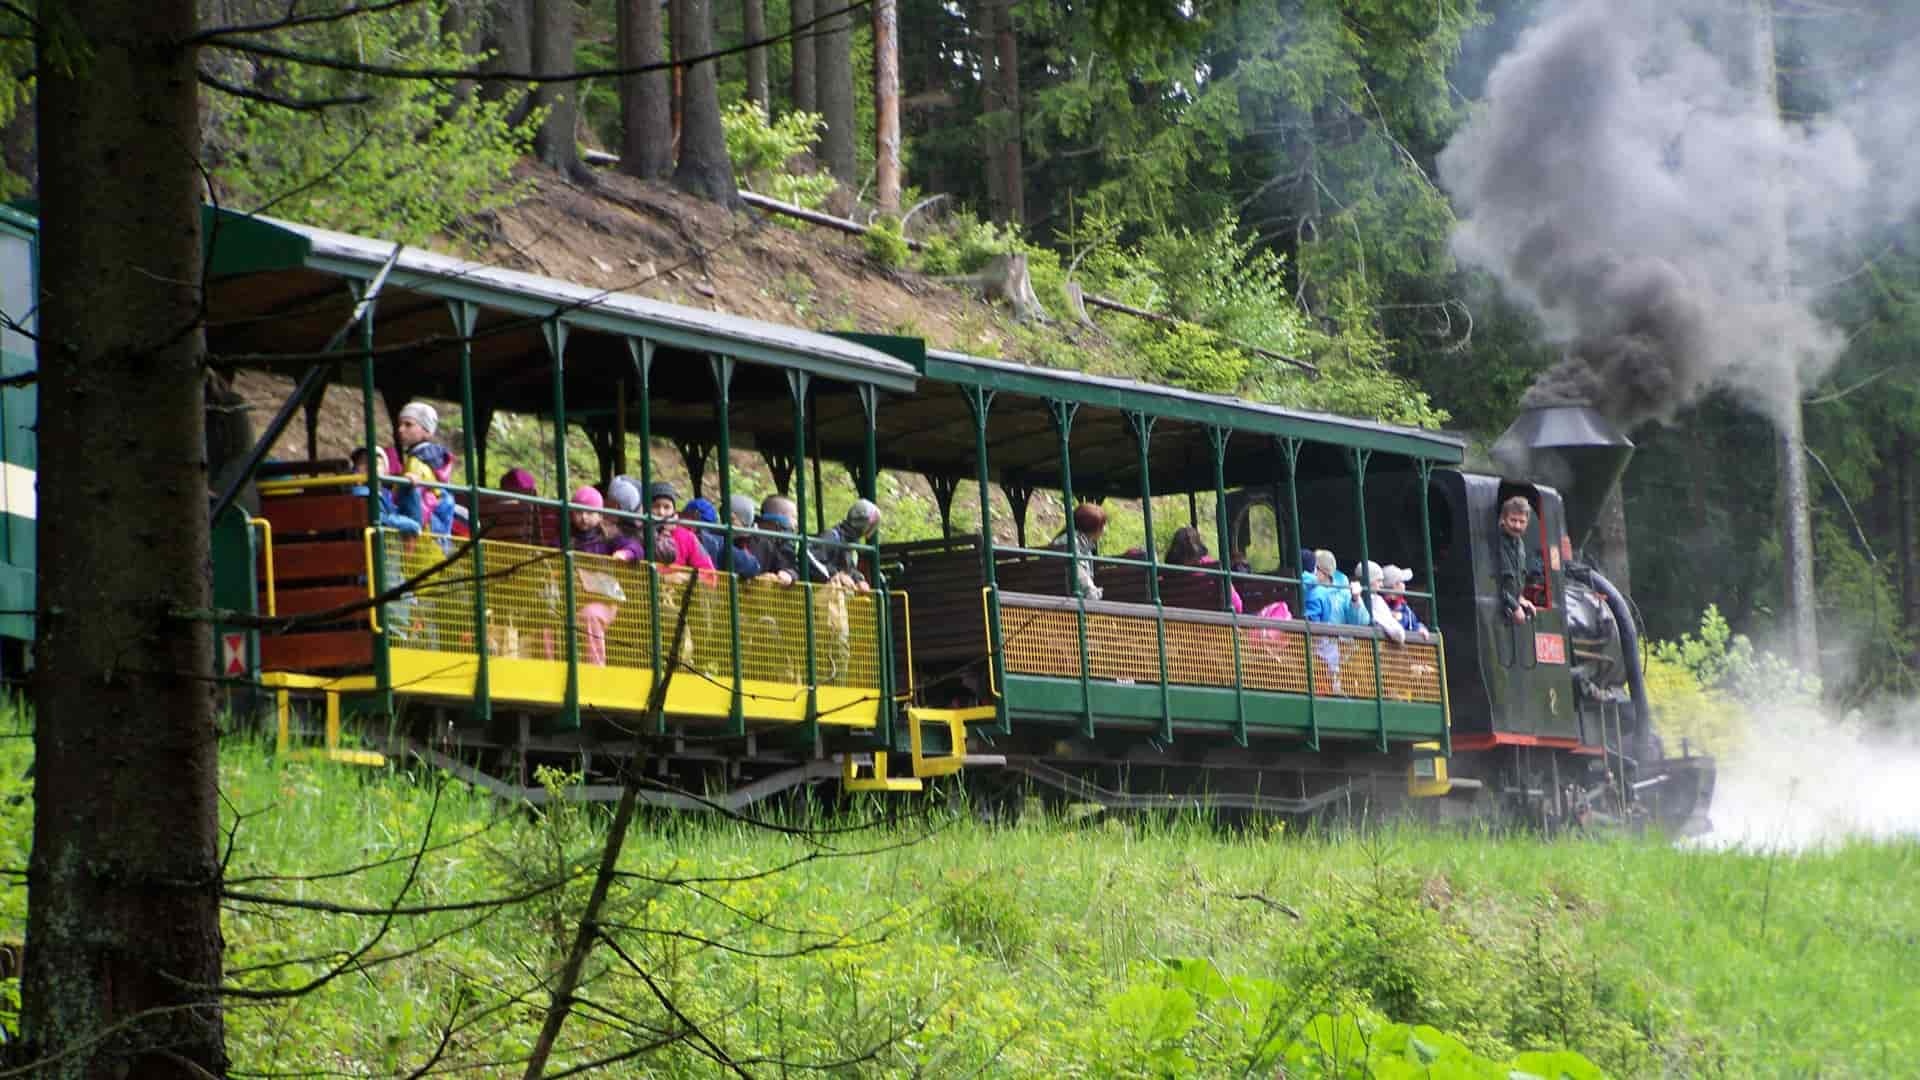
x,y
19,262
971,656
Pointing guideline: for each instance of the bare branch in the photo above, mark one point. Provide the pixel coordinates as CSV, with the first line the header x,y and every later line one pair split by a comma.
x,y
389,71
291,20
261,97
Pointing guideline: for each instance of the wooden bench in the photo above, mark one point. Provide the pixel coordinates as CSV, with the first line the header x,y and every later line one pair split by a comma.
x,y
509,520
318,560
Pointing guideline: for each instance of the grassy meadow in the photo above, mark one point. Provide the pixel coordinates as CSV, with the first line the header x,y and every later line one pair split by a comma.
x,y
929,944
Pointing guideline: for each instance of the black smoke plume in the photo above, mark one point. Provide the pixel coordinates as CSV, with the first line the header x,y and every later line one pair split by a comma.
x,y
1626,179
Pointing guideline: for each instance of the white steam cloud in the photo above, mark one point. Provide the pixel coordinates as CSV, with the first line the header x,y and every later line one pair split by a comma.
x,y
1804,779
1628,181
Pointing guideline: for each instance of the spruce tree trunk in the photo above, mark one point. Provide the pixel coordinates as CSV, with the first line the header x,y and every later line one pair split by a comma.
x,y
886,106
986,17
833,55
806,97
509,36
754,15
1610,539
646,121
704,169
1796,524
1012,171
123,922
553,55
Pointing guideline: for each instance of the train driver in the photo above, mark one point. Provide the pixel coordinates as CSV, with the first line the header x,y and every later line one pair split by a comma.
x,y
1512,559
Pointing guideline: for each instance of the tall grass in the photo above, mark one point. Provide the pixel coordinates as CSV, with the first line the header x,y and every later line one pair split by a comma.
x,y
936,945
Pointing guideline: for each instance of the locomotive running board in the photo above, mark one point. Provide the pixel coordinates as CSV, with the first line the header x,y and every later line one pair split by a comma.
x,y
730,802
1086,790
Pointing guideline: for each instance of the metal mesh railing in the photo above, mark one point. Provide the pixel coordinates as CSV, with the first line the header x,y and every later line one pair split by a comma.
x,y
625,612
1044,640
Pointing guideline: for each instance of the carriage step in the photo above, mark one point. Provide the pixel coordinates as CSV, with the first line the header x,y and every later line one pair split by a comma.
x,y
928,765
878,780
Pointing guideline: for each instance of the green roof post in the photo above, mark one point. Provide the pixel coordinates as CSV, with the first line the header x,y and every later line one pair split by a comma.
x,y
1217,440
382,661
640,350
1290,456
1063,413
1142,424
555,333
722,367
1424,466
979,403
465,315
1359,459
797,384
882,625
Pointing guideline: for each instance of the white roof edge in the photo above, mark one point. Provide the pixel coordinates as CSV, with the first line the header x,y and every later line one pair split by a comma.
x,y
328,244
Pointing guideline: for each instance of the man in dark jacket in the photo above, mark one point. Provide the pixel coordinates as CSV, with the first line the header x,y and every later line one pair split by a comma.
x,y
837,562
1511,559
776,555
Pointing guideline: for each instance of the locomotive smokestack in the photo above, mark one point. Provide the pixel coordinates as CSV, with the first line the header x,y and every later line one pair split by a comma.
x,y
1572,448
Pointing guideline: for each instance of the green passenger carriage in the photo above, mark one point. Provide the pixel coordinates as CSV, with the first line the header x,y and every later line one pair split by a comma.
x,y
975,653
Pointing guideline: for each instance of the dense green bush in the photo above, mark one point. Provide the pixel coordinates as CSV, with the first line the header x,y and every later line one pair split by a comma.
x,y
406,164
763,150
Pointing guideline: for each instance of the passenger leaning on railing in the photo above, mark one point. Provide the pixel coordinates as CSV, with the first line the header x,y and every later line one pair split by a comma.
x,y
835,560
779,560
1187,549
424,461
673,544
600,591
739,559
1089,522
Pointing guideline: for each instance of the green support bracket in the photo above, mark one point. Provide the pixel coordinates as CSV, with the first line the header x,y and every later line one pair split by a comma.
x,y
1217,438
797,385
465,317
1358,459
382,658
723,410
1290,454
1424,467
555,333
980,403
882,623
1063,413
641,352
1142,424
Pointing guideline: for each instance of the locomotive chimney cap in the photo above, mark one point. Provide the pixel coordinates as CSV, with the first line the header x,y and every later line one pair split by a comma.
x,y
1571,447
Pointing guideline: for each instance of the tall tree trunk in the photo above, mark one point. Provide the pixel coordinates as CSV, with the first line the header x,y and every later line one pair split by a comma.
x,y
833,54
1796,526
754,14
986,16
646,123
123,921
509,37
704,169
553,55
677,49
806,97
1610,538
886,106
1013,174
1903,522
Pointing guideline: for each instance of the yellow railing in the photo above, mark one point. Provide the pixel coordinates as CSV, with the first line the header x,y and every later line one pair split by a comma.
x,y
626,611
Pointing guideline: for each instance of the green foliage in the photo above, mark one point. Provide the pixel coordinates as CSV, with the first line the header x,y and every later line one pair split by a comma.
x,y
406,165
885,244
761,150
1702,687
1034,951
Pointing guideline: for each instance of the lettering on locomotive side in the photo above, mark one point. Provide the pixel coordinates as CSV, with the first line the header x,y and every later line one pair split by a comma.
x,y
1550,649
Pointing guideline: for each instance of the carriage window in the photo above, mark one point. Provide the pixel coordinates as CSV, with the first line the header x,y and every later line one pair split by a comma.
x,y
1259,537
